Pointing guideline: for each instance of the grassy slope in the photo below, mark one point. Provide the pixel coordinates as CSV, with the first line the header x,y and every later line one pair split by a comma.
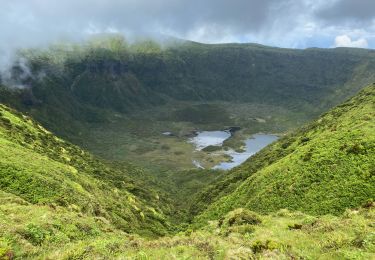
x,y
58,202
323,168
43,169
42,232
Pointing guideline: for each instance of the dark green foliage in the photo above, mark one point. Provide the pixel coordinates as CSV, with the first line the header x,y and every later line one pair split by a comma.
x,y
80,83
260,246
295,226
212,148
35,234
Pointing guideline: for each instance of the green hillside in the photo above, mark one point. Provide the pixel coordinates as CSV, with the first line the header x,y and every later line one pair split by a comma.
x,y
31,231
60,202
107,93
87,171
42,169
109,73
323,168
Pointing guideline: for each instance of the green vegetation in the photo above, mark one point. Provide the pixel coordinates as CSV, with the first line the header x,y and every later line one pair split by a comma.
x,y
59,202
109,86
37,231
43,169
323,168
307,196
109,73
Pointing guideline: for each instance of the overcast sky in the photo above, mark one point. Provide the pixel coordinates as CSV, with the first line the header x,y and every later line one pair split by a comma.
x,y
283,23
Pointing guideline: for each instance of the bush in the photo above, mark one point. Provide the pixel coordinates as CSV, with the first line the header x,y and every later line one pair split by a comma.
x,y
260,246
295,226
6,122
35,234
356,149
305,139
240,217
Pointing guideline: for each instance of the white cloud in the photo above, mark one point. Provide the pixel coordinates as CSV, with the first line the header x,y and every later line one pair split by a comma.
x,y
282,23
345,41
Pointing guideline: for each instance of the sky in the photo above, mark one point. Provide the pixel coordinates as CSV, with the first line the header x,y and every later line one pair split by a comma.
x,y
281,23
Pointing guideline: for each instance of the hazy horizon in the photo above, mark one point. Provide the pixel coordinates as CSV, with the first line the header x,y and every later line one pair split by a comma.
x,y
284,23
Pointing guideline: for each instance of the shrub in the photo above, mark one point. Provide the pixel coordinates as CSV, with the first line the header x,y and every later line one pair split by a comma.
x,y
369,204
356,149
6,122
35,234
307,156
295,226
239,217
260,246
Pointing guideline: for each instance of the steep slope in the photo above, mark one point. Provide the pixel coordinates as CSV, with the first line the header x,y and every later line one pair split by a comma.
x,y
59,202
42,169
323,168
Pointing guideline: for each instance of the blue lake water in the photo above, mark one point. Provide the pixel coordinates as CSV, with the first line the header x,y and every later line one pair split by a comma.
x,y
252,145
207,138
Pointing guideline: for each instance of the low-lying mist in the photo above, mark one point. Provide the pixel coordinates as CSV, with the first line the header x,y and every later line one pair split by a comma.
x,y
24,65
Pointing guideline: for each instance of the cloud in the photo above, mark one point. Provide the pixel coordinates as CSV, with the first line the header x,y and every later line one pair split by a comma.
x,y
42,22
350,11
283,23
53,18
346,41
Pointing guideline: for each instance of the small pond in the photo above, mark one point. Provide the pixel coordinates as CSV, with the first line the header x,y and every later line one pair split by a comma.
x,y
252,145
207,138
